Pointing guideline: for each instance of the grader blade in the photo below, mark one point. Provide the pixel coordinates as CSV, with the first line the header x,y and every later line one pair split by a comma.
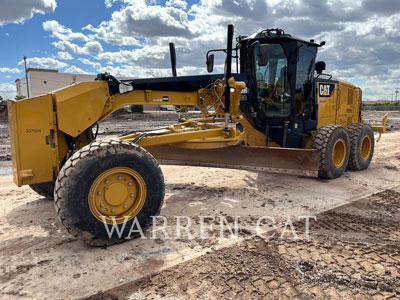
x,y
276,160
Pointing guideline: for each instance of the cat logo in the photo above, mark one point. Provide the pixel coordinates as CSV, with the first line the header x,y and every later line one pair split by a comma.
x,y
326,90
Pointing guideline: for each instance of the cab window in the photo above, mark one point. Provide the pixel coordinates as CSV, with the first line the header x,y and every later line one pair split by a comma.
x,y
304,77
273,90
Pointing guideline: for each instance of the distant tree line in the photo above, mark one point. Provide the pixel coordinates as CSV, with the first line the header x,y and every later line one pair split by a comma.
x,y
382,104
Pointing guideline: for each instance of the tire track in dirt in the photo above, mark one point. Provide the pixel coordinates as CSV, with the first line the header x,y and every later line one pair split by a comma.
x,y
353,253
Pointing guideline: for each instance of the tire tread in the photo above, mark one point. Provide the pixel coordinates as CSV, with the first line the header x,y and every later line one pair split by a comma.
x,y
64,180
320,142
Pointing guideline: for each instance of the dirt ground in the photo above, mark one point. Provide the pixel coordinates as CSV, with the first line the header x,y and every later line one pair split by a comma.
x,y
393,121
353,254
353,250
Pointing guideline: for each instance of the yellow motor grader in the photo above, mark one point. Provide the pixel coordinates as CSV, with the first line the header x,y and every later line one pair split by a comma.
x,y
279,113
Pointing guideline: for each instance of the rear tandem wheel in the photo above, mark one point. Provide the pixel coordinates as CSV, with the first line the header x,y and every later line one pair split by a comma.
x,y
361,146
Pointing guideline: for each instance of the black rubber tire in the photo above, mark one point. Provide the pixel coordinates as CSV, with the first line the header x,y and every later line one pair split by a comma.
x,y
137,108
324,140
357,132
45,189
80,171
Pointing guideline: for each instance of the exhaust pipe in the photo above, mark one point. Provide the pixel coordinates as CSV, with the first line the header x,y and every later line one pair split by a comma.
x,y
228,73
172,52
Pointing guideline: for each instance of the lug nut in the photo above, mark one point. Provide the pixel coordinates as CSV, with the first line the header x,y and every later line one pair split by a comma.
x,y
107,181
125,206
99,193
106,209
102,205
119,177
132,195
112,210
129,183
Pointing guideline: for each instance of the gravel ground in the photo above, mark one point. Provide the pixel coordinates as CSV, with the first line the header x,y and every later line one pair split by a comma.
x,y
353,253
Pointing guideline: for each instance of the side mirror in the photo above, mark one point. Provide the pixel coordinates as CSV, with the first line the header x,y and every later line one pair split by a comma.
x,y
263,55
210,63
320,66
125,88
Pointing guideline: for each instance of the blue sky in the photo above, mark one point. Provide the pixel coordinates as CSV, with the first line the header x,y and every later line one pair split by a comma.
x,y
130,37
29,39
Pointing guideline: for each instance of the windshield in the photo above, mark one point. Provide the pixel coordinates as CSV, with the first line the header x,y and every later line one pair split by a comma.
x,y
273,89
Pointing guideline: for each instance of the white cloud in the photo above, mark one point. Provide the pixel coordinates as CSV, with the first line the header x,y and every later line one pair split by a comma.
x,y
177,3
68,46
18,11
10,70
142,20
75,69
8,90
44,62
109,3
62,33
7,87
64,55
94,65
91,48
147,56
136,72
111,36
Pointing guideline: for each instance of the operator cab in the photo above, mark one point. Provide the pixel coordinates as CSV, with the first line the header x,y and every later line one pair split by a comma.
x,y
281,70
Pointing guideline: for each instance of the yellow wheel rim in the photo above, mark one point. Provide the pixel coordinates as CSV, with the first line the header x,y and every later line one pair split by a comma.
x,y
118,192
365,149
339,153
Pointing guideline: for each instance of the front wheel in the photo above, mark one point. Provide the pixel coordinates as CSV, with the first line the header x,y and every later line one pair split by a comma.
x,y
333,143
108,183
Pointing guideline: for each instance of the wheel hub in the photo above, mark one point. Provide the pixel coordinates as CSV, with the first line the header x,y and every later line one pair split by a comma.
x,y
117,193
339,153
365,148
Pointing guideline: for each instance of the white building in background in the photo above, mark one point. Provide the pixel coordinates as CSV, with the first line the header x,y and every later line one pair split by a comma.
x,y
42,81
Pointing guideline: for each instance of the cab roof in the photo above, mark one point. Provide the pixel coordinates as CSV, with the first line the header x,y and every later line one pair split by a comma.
x,y
275,34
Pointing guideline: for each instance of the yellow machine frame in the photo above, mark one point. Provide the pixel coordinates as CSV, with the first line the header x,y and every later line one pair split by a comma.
x,y
38,127
39,124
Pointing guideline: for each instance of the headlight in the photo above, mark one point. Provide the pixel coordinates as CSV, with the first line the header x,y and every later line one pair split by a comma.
x,y
125,88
